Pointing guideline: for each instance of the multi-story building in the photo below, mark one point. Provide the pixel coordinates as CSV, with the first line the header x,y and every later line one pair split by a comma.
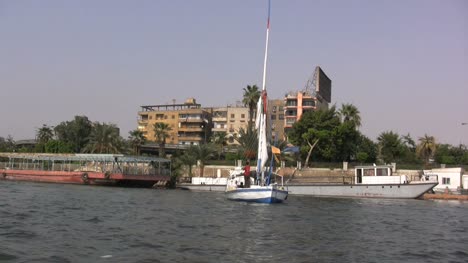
x,y
296,104
316,95
276,110
190,124
230,120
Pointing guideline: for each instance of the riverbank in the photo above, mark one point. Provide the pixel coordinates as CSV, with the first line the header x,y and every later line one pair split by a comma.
x,y
444,197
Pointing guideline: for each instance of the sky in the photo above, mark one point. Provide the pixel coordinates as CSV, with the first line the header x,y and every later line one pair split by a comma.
x,y
403,64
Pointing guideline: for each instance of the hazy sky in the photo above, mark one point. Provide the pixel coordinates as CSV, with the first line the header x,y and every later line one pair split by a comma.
x,y
404,64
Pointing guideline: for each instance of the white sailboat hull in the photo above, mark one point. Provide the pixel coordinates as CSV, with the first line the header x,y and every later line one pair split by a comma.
x,y
258,194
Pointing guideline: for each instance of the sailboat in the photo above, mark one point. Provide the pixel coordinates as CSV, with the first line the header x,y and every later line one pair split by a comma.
x,y
261,190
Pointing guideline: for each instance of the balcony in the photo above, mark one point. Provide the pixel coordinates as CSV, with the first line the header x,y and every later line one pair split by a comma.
x,y
191,120
190,129
142,122
191,138
219,129
220,119
289,122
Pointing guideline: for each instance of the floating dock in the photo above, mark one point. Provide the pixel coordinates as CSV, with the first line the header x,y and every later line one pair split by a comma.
x,y
88,169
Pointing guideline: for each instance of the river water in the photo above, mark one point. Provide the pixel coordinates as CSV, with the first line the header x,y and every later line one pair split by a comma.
x,y
74,223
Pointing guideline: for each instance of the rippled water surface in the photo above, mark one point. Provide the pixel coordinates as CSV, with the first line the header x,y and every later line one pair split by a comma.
x,y
68,223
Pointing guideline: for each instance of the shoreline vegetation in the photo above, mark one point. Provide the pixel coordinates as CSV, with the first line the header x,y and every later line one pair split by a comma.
x,y
323,138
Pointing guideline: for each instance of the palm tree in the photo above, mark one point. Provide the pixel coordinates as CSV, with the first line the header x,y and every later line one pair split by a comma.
x,y
188,160
250,99
426,148
202,153
349,113
161,132
220,140
248,141
390,146
44,134
409,142
104,138
136,138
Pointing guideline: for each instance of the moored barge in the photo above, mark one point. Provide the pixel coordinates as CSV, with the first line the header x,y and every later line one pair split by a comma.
x,y
88,169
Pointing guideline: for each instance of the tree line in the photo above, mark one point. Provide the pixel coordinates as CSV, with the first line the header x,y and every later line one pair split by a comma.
x,y
325,135
332,135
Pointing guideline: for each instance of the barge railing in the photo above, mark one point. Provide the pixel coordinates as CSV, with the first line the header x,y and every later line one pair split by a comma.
x,y
103,163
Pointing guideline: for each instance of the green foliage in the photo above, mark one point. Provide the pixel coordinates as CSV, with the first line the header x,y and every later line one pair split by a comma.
x,y
104,138
448,154
202,153
23,150
391,147
56,146
7,145
426,147
248,141
345,138
75,132
219,139
136,139
250,99
367,146
188,159
362,157
350,114
161,132
177,166
336,140
44,134
233,156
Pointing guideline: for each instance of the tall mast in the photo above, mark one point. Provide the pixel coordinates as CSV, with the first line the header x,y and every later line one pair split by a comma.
x,y
266,48
262,154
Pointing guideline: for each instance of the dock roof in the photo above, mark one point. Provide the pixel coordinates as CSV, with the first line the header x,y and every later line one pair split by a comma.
x,y
84,157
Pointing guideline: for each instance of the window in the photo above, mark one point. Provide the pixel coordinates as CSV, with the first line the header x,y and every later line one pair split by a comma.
x,y
232,116
290,121
242,116
273,117
281,108
274,109
369,172
173,116
445,180
291,103
382,172
308,103
281,117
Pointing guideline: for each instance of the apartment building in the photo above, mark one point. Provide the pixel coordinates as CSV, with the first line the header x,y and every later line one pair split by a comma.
x,y
276,110
316,95
230,120
190,124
